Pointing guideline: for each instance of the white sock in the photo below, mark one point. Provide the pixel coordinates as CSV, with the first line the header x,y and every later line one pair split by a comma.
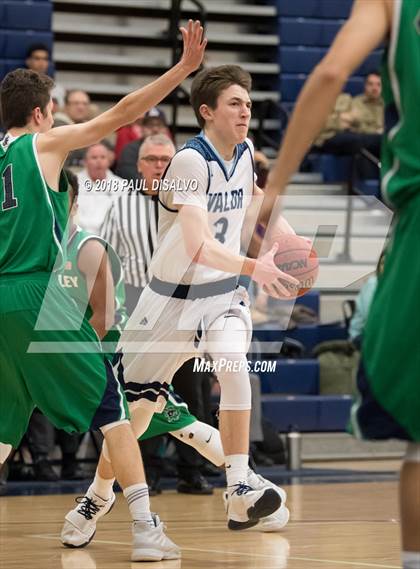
x,y
236,468
102,487
411,559
137,497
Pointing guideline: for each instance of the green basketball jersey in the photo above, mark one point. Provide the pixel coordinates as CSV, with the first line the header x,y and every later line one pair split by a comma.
x,y
401,88
73,280
33,217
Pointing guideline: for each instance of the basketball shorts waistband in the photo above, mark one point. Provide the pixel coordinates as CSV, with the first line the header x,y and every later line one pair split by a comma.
x,y
193,291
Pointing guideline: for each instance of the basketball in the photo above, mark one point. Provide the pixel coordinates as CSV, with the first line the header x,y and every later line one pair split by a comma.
x,y
297,257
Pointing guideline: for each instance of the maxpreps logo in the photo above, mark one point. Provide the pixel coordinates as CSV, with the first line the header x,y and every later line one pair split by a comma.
x,y
224,364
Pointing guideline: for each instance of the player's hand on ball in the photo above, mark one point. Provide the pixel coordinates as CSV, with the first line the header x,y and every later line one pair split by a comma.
x,y
267,275
194,45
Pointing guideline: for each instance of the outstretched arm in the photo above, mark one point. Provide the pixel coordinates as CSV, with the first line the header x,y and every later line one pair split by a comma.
x,y
54,145
366,28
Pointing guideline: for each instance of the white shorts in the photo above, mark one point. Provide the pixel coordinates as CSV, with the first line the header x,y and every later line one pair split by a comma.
x,y
164,332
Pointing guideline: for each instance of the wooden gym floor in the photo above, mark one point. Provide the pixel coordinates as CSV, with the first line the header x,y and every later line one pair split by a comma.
x,y
333,526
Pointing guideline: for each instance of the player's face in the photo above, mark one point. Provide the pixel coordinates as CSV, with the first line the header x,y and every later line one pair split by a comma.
x,y
232,114
97,162
153,161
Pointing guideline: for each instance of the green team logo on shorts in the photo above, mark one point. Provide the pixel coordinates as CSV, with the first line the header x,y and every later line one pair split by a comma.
x,y
172,414
417,22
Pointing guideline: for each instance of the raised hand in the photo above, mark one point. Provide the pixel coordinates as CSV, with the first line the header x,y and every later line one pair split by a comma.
x,y
194,45
267,275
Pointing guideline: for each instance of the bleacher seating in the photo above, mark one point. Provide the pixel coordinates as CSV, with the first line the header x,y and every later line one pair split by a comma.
x,y
315,8
292,377
306,29
22,23
291,394
307,413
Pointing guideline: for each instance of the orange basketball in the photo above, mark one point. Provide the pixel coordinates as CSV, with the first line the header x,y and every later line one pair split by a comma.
x,y
297,257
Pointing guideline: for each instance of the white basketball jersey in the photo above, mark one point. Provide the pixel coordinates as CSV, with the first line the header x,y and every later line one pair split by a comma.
x,y
198,176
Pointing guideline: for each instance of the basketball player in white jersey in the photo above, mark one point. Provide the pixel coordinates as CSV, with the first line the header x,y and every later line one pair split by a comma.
x,y
192,304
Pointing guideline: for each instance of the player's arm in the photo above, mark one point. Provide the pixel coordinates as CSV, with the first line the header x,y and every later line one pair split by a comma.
x,y
61,140
93,262
366,28
253,232
204,249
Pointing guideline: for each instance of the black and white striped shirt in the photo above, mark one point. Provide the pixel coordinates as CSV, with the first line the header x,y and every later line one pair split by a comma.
x,y
131,227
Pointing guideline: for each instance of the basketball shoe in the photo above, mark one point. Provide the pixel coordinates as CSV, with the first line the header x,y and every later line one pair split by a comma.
x,y
150,542
80,523
246,504
278,519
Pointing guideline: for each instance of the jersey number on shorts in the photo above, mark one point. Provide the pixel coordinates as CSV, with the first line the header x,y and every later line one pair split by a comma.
x,y
221,226
9,201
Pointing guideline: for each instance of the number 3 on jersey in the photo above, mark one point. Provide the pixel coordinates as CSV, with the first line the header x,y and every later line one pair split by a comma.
x,y
9,201
221,226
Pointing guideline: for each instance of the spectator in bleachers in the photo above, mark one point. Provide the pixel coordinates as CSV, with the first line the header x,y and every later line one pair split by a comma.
x,y
368,108
77,106
38,59
154,122
77,109
98,186
126,134
356,123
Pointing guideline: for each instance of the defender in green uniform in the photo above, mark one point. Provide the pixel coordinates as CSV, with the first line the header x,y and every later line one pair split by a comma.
x,y
389,376
74,387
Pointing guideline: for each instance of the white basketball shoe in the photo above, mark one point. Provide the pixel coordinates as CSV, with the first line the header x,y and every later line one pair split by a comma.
x,y
80,523
277,520
245,504
151,544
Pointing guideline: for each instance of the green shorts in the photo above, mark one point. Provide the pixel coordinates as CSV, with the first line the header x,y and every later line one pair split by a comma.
x,y
391,341
175,416
73,386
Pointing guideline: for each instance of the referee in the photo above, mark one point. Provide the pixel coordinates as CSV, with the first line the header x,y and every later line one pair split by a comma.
x,y
131,223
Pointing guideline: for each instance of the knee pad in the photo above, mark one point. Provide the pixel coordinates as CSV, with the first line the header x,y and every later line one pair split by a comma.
x,y
4,452
413,453
228,348
205,439
235,387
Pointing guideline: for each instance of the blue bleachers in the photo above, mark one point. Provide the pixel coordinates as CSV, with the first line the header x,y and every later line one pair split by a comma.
x,y
302,59
292,83
315,8
303,31
17,42
298,377
307,412
22,23
24,16
308,334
